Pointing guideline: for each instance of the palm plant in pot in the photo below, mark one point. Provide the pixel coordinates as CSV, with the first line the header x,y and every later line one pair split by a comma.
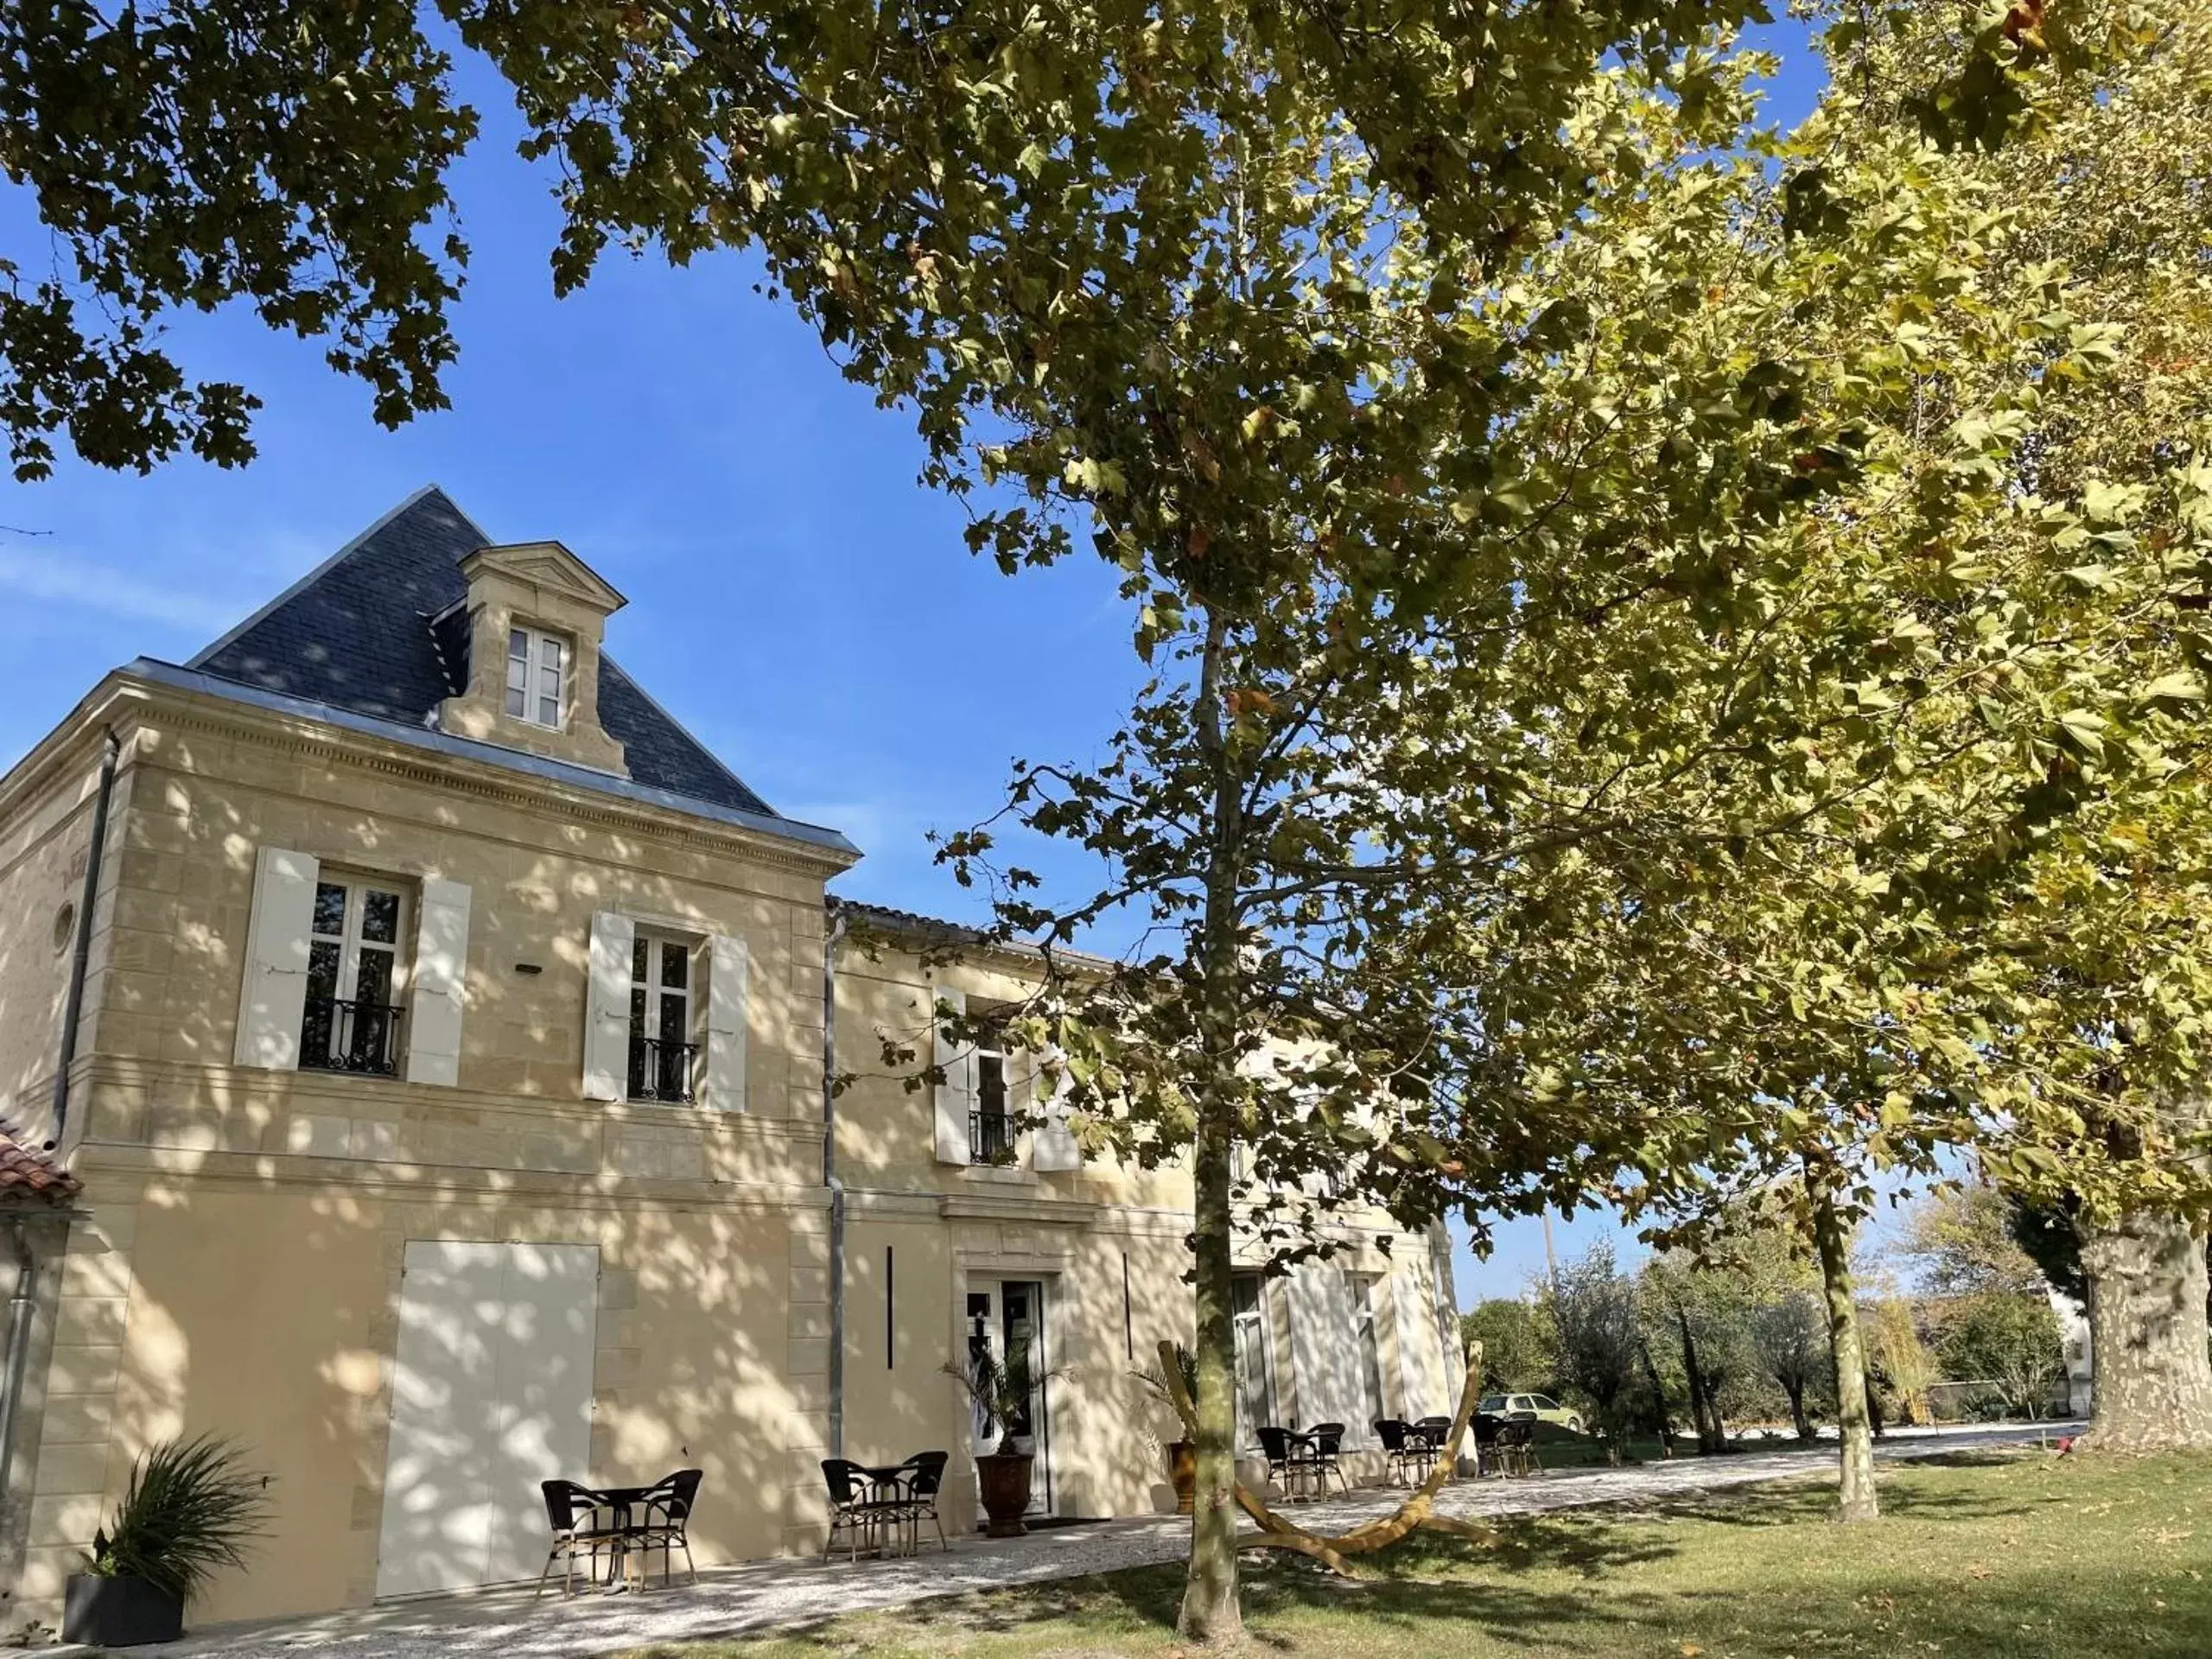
x,y
1000,1389
190,1508
1182,1454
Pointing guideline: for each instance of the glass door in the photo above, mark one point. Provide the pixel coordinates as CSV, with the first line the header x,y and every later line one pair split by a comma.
x,y
1007,1318
1022,1324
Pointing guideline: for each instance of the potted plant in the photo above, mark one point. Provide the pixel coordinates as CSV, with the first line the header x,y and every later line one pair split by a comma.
x,y
189,1508
1182,1454
1000,1390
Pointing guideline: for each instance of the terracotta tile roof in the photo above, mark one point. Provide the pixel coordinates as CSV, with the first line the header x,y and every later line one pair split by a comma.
x,y
27,1173
937,932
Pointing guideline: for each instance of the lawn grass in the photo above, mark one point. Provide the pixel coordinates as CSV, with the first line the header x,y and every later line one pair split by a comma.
x,y
1981,1555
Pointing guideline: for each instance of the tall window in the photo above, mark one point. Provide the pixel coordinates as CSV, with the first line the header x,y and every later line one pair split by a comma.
x,y
351,1022
664,1053
536,676
990,1136
1255,1400
1364,1287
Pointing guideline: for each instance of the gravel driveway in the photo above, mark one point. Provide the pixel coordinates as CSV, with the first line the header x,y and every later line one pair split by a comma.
x,y
508,1624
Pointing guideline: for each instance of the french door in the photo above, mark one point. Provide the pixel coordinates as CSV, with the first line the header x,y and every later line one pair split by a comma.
x,y
1006,1317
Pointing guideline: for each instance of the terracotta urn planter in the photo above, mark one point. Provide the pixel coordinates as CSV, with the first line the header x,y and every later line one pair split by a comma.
x,y
1183,1472
1004,1477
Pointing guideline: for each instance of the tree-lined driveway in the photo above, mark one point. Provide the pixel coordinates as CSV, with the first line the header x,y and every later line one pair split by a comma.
x,y
763,1595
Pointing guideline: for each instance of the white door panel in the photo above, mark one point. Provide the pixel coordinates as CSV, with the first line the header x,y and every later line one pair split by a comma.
x,y
544,1426
490,1395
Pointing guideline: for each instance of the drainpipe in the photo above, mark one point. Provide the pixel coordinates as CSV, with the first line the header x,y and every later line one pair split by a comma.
x,y
82,957
19,1347
830,1179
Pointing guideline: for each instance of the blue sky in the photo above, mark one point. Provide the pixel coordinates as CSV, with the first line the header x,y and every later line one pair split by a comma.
x,y
795,597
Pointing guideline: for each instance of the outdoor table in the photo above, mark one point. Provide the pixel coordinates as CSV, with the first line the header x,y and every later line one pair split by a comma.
x,y
886,1482
1310,1463
622,1500
1426,1442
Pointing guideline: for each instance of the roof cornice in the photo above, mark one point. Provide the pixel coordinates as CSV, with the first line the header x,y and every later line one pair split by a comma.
x,y
432,759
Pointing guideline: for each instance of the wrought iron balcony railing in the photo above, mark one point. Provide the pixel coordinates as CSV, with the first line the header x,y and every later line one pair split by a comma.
x,y
990,1137
660,1069
339,1035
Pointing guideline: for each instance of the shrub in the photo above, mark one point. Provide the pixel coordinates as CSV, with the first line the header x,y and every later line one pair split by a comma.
x,y
188,1509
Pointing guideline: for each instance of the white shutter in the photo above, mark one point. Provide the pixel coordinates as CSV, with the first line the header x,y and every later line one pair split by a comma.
x,y
275,993
1054,1146
956,1096
729,968
1321,1339
441,974
1450,1349
607,1007
1417,1342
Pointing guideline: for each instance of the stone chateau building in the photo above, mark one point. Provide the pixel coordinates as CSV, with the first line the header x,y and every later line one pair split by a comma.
x,y
412,1046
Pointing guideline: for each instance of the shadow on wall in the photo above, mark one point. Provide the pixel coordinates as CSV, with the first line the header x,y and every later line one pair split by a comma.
x,y
637,1344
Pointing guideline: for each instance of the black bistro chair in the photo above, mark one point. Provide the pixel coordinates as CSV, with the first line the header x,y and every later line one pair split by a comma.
x,y
666,1522
857,1509
1327,1442
1485,1428
1275,1446
1399,1456
1517,1445
918,1497
1437,1432
581,1525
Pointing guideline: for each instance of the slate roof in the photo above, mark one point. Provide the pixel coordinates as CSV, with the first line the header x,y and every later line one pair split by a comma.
x,y
27,1173
360,633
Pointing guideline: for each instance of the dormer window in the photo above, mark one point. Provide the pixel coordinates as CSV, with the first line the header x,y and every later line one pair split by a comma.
x,y
538,666
529,679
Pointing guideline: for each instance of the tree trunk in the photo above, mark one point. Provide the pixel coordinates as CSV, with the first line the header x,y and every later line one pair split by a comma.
x,y
1794,1388
1716,1424
1659,1400
1696,1381
2148,1323
1211,1613
1831,1238
1704,1411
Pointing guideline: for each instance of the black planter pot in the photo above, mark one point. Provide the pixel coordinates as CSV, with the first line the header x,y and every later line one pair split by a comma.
x,y
119,1612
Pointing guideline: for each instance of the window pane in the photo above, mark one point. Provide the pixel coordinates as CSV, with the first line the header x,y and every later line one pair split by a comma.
x,y
553,659
637,1009
638,972
675,1020
380,917
329,908
516,704
323,969
991,1084
374,976
518,645
674,965
549,711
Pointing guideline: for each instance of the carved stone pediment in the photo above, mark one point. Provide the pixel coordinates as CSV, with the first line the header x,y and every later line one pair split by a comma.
x,y
548,568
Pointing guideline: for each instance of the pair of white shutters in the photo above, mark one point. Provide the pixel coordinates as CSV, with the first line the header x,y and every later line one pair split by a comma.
x,y
1053,1145
607,1015
273,1001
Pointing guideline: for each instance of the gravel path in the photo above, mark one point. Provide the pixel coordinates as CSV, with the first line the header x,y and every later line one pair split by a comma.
x,y
508,1624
